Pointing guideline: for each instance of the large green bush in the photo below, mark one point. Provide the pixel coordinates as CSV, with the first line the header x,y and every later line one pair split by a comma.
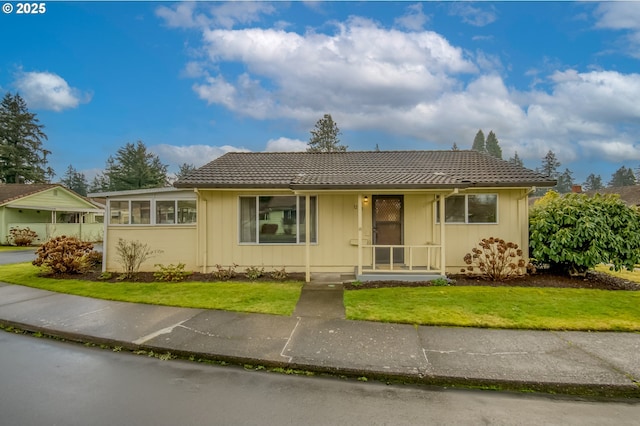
x,y
575,232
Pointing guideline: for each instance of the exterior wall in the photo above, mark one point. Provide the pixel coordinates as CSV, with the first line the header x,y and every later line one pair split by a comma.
x,y
512,226
335,251
176,243
215,238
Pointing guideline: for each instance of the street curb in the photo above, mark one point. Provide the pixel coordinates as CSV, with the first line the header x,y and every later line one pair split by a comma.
x,y
623,392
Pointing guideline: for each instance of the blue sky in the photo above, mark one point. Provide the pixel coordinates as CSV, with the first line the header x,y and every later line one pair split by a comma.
x,y
196,80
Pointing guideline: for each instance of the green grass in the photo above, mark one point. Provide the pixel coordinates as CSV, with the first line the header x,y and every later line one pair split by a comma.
x,y
624,274
278,298
499,307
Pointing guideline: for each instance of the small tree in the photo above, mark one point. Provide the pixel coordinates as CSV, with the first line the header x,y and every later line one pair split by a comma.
x,y
593,183
496,260
575,232
185,169
75,181
132,255
493,146
479,142
516,160
324,136
622,177
565,182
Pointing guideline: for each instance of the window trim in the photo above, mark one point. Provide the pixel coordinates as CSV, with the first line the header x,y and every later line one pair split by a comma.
x,y
466,210
153,213
300,199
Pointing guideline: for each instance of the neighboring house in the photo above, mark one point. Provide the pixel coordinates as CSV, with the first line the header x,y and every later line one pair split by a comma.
x,y
630,195
50,210
362,213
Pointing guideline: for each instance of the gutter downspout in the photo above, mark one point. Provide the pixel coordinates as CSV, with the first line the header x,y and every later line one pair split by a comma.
x,y
107,216
307,239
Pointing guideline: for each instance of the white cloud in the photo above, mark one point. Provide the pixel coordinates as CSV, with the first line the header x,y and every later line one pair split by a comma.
x,y
621,16
48,91
618,15
415,84
476,16
361,67
414,19
198,155
286,145
615,151
223,15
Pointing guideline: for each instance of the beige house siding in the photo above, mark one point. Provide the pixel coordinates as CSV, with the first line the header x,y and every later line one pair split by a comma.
x,y
175,242
336,250
215,238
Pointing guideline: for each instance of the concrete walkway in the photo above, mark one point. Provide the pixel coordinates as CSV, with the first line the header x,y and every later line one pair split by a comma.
x,y
317,338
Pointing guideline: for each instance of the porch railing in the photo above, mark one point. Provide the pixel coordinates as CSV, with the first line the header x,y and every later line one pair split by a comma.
x,y
428,260
85,231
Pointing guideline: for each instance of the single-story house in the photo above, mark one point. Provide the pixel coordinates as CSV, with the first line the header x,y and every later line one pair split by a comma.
x,y
630,195
399,213
50,210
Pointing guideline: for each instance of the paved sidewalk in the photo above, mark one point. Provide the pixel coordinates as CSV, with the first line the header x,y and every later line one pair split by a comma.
x,y
317,338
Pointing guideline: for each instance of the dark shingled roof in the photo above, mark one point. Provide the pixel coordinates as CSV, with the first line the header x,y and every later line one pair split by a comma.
x,y
361,170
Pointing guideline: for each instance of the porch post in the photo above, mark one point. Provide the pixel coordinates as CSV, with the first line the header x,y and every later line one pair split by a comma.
x,y
307,239
359,234
443,220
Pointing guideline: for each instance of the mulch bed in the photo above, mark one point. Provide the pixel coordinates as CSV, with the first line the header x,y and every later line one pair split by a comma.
x,y
592,280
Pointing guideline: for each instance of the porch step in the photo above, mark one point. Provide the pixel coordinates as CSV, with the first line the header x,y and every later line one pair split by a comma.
x,y
397,276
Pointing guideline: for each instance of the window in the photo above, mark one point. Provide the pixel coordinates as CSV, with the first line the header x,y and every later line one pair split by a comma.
x,y
119,212
471,208
276,219
138,212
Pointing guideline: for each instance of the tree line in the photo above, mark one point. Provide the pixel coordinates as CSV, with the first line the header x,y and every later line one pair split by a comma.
x,y
24,159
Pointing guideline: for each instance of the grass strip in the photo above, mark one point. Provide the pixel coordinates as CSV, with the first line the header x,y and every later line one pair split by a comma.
x,y
624,273
499,307
277,298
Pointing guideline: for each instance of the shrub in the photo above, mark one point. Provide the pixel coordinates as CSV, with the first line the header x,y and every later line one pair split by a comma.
x,y
496,260
64,255
279,274
132,254
441,282
253,272
225,274
22,236
171,273
575,232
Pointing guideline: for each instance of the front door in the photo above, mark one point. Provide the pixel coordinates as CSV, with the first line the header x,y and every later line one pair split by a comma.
x,y
388,227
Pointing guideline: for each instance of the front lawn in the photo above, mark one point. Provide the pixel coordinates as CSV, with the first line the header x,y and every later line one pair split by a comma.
x,y
17,248
499,307
278,298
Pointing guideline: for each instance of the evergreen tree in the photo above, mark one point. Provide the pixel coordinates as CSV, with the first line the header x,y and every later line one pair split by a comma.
x,y
75,181
565,182
492,146
185,169
478,142
593,183
324,137
454,147
622,177
550,165
516,160
23,158
133,167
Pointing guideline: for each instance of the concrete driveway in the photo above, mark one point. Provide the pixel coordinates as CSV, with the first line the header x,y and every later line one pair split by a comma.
x,y
17,256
